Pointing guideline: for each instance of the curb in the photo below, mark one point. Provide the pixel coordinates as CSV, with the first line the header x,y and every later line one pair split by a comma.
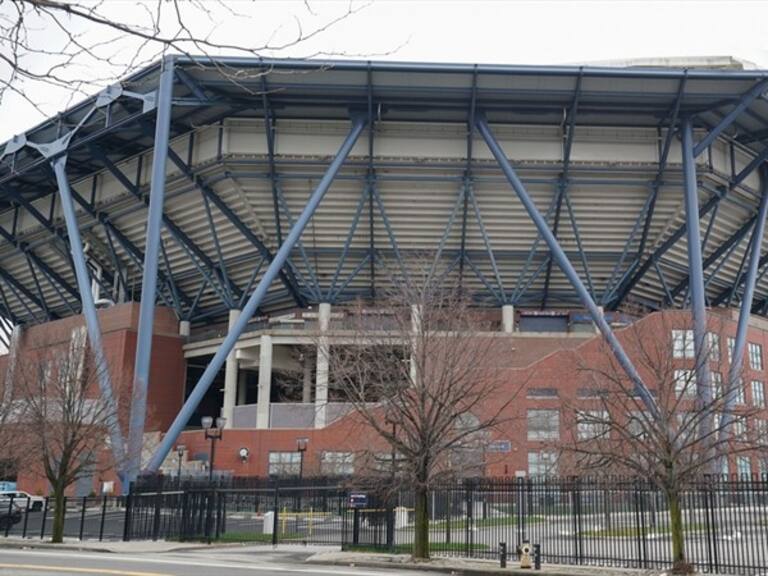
x,y
51,546
458,570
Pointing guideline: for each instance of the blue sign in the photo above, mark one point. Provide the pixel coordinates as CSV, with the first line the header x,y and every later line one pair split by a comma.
x,y
499,446
358,500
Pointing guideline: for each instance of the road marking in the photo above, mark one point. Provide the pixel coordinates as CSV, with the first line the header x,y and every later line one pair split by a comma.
x,y
202,564
69,569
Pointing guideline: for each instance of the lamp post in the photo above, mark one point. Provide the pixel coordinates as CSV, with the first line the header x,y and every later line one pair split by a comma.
x,y
301,447
213,434
180,449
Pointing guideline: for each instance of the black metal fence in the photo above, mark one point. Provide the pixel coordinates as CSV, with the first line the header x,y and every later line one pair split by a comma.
x,y
277,515
85,518
597,522
605,522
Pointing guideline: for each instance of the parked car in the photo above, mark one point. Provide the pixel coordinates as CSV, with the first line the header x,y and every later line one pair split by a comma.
x,y
9,515
20,498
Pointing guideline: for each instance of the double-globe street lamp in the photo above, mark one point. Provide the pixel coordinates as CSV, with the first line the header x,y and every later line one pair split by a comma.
x,y
212,434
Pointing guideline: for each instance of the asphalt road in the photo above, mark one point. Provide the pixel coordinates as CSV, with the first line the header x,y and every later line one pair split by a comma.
x,y
191,563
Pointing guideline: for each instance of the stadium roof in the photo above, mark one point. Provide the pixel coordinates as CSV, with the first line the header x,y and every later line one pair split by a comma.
x,y
116,127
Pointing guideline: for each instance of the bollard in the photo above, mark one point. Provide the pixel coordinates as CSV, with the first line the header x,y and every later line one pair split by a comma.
x,y
537,556
525,554
503,554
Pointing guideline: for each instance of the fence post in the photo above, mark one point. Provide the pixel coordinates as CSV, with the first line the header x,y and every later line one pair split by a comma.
x,y
103,516
275,508
26,518
156,517
470,505
45,515
82,517
10,516
128,513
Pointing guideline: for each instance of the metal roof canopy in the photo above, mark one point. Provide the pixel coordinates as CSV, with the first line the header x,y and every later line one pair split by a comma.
x,y
121,127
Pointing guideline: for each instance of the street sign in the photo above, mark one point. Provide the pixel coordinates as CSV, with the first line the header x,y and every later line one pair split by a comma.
x,y
358,500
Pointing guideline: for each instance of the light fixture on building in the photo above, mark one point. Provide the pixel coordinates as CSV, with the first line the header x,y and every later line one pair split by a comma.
x,y
244,453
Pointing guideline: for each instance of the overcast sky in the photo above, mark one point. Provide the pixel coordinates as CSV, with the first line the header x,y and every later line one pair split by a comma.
x,y
544,32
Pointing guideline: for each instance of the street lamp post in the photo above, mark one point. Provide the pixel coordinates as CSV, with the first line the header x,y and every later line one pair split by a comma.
x,y
301,447
213,434
180,449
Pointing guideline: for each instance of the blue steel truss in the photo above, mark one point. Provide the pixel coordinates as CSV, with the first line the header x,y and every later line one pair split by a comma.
x,y
45,273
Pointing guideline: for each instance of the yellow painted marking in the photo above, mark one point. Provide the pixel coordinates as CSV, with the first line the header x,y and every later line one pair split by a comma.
x,y
81,570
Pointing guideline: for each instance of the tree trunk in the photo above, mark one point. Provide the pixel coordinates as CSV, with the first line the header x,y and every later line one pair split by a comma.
x,y
679,564
421,525
58,513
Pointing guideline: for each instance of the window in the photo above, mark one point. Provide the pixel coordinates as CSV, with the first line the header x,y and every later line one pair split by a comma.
x,y
685,382
337,464
543,424
713,346
755,356
542,463
761,431
743,466
717,386
738,394
731,346
591,393
739,429
763,468
758,394
638,424
682,343
541,393
591,424
284,463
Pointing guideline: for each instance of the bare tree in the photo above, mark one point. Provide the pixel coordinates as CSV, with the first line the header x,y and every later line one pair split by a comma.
x,y
426,379
613,432
79,47
61,417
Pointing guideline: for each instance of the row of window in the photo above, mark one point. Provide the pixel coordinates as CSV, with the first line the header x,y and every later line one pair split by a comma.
x,y
683,347
590,424
331,463
685,384
544,463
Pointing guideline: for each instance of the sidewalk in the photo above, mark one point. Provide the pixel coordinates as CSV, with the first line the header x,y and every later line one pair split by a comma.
x,y
463,567
117,547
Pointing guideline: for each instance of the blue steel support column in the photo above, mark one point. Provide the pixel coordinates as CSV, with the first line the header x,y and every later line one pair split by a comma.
x,y
89,308
737,361
565,265
254,301
696,272
149,279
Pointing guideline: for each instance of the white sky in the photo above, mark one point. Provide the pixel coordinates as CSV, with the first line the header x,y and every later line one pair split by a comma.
x,y
514,32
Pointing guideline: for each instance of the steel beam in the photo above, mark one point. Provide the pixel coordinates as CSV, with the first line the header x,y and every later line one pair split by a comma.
x,y
275,266
698,295
236,222
744,101
152,248
737,360
566,266
89,310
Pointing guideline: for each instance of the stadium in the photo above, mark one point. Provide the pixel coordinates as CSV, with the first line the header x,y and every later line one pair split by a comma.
x,y
207,219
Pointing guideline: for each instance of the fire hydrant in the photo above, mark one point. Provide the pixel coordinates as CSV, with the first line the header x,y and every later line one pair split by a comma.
x,y
525,554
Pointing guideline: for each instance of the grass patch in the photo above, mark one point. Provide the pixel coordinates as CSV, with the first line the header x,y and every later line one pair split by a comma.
x,y
408,548
633,532
460,523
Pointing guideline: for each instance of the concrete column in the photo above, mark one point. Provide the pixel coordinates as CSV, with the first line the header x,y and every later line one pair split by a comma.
x,y
242,385
416,327
230,376
265,382
306,390
184,328
321,377
13,350
508,318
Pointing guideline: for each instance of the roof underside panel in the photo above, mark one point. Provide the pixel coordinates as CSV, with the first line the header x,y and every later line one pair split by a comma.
x,y
418,202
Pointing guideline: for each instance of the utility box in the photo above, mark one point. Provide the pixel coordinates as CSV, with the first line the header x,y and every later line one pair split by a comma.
x,y
269,523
